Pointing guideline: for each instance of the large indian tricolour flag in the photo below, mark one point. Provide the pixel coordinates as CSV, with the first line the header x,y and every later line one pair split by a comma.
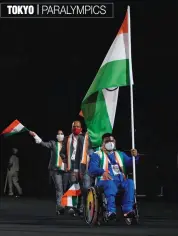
x,y
14,128
99,105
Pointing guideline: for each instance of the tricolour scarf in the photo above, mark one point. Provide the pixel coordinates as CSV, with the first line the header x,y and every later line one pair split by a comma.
x,y
104,161
60,165
84,159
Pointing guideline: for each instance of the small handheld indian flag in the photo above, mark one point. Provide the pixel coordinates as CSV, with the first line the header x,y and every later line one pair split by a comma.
x,y
70,198
14,128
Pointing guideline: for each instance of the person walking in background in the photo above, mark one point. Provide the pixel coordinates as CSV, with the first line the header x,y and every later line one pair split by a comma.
x,y
13,173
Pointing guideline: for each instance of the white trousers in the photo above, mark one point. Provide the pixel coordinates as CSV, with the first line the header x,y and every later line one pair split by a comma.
x,y
13,179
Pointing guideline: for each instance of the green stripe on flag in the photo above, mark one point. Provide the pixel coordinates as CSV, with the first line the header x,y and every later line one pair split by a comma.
x,y
97,120
15,132
94,107
112,74
74,201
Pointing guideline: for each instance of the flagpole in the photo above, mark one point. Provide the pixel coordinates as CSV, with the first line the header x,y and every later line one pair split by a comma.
x,y
131,98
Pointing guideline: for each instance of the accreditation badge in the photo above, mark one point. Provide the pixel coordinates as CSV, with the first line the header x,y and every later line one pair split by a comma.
x,y
115,169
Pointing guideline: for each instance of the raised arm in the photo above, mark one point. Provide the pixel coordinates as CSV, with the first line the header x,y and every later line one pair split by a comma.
x,y
38,140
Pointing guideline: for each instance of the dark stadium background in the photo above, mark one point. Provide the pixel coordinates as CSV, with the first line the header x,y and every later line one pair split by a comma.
x,y
47,66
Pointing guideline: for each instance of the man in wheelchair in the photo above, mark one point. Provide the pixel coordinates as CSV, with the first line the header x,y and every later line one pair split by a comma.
x,y
108,167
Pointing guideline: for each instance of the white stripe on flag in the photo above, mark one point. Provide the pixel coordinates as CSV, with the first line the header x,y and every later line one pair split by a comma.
x,y
69,201
75,187
111,103
18,128
119,49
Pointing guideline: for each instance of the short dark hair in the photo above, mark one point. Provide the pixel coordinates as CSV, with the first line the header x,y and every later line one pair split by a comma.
x,y
60,130
77,121
106,135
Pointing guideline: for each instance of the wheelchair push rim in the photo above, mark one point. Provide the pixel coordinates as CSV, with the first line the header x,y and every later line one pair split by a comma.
x,y
91,208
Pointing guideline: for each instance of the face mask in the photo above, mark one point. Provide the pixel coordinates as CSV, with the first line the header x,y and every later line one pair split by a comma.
x,y
110,146
60,137
76,131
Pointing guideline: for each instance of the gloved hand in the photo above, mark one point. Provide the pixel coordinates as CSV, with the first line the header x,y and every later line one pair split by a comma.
x,y
32,133
36,137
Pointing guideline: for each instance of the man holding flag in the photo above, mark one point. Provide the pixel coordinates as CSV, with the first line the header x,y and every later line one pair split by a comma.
x,y
99,105
109,165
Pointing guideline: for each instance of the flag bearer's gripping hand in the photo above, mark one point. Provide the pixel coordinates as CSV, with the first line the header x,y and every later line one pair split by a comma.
x,y
134,152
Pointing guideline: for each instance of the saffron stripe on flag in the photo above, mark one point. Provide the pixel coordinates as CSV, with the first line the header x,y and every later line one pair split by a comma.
x,y
11,127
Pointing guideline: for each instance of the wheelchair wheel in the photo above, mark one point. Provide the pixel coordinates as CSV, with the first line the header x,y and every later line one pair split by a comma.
x,y
91,208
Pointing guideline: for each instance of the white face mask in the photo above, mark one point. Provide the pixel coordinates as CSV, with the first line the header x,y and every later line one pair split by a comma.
x,y
60,137
110,146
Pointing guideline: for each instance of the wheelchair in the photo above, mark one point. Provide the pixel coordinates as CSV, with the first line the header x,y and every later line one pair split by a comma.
x,y
95,208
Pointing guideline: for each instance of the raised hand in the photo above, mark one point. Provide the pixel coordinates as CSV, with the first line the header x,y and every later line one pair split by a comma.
x,y
32,133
